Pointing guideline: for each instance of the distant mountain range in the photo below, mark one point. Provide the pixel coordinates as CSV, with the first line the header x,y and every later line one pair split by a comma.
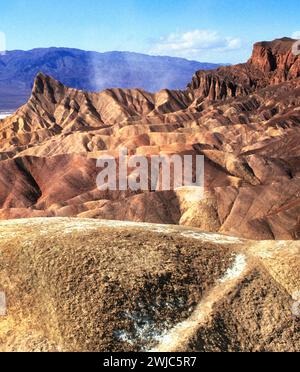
x,y
91,71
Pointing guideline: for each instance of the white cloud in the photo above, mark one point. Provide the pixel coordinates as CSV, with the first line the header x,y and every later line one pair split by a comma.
x,y
195,42
296,35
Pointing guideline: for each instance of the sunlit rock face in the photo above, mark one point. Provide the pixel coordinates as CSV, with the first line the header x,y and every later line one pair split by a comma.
x,y
271,63
243,119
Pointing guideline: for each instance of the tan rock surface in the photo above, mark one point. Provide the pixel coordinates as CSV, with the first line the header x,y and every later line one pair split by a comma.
x,y
87,285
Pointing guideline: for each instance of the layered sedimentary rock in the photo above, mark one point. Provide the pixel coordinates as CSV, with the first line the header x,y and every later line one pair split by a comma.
x,y
243,119
271,63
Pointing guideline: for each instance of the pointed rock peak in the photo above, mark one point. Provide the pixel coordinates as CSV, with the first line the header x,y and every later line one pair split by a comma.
x,y
46,88
43,83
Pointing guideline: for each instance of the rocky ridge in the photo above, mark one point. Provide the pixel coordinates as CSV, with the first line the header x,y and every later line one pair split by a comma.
x,y
244,119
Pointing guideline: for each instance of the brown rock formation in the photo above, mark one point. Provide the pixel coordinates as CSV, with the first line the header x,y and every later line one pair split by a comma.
x,y
244,119
276,60
271,63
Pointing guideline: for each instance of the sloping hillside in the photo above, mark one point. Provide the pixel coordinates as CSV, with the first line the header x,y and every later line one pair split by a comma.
x,y
87,285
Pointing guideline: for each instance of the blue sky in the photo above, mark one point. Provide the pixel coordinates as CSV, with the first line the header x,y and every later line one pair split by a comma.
x,y
204,30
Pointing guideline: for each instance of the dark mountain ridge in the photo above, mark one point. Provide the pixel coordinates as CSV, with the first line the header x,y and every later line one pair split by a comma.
x,y
90,71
